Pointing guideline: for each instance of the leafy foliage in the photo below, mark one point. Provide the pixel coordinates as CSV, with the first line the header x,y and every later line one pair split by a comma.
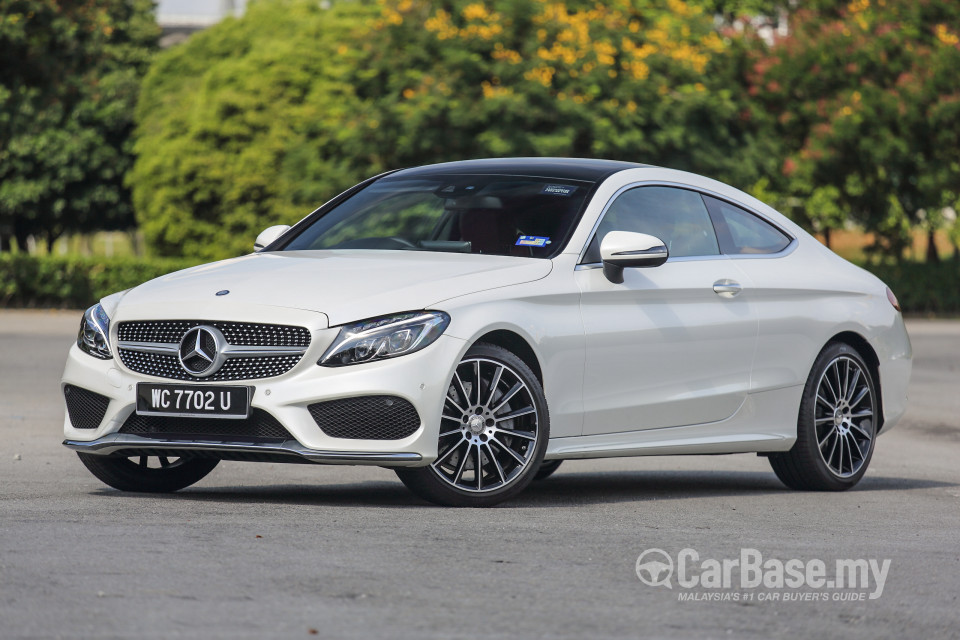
x,y
259,119
923,288
631,80
242,127
73,282
863,98
69,79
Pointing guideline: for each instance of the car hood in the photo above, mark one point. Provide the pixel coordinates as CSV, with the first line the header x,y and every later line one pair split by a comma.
x,y
344,285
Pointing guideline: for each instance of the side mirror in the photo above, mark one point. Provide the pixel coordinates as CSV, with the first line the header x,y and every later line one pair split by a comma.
x,y
621,249
268,235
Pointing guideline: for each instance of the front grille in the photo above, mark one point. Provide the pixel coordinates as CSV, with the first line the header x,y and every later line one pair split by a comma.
x,y
259,427
237,333
85,408
366,418
245,368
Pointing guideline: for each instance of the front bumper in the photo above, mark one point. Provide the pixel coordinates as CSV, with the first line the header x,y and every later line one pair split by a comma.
x,y
421,378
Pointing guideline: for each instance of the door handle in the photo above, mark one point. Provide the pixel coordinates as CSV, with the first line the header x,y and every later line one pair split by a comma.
x,y
727,288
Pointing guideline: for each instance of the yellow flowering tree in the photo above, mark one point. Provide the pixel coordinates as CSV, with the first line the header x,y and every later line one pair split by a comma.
x,y
640,80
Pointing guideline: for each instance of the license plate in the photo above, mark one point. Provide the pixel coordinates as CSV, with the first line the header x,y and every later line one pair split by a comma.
x,y
192,401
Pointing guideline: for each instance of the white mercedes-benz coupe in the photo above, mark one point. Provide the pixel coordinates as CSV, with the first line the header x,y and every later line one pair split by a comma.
x,y
473,324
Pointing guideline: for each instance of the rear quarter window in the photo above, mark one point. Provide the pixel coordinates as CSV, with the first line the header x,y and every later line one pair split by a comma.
x,y
743,233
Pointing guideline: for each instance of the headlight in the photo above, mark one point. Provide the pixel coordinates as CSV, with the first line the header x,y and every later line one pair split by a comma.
x,y
94,333
387,337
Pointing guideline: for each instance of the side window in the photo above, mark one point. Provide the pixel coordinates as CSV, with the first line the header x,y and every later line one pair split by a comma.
x,y
676,216
740,232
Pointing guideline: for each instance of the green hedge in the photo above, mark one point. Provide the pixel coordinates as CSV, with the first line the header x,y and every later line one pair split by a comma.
x,y
74,282
923,289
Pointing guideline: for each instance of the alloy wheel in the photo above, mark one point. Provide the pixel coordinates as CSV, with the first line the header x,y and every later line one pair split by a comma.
x,y
844,417
489,427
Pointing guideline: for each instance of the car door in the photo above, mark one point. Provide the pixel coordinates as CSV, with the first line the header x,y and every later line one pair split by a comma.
x,y
781,292
672,345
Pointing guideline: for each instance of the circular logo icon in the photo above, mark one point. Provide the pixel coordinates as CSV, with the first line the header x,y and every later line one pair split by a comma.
x,y
201,351
655,567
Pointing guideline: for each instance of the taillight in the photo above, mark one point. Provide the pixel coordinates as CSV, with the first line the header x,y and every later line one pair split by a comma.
x,y
893,299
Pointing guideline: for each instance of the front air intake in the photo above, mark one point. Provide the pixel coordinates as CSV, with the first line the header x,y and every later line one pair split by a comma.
x,y
259,427
85,408
366,418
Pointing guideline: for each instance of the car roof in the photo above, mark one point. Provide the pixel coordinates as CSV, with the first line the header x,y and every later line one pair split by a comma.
x,y
563,168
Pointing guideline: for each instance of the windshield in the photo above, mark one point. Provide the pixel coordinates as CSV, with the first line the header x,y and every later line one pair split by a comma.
x,y
496,215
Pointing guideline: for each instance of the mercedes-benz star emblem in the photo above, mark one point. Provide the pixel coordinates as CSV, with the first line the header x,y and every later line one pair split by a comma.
x,y
201,351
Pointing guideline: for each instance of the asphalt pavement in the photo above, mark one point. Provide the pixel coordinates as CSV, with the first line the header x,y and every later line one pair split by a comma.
x,y
263,550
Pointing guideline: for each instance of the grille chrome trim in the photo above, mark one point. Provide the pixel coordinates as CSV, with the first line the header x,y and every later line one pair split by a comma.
x,y
230,351
237,351
115,442
162,348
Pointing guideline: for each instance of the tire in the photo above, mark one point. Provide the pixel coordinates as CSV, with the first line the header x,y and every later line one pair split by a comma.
x,y
493,434
836,426
547,469
163,475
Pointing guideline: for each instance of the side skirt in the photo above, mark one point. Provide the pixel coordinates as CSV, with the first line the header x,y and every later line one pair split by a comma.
x,y
766,422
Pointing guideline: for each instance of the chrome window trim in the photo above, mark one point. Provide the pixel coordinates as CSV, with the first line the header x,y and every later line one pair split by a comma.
x,y
790,248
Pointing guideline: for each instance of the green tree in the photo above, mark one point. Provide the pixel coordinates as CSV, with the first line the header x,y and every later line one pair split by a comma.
x,y
242,127
69,79
258,119
862,100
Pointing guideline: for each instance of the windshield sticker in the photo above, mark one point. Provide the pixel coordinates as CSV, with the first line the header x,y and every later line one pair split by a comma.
x,y
532,241
558,189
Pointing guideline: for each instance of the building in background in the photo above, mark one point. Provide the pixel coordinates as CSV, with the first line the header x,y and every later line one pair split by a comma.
x,y
180,18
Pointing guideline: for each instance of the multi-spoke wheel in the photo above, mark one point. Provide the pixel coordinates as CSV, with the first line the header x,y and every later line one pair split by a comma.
x,y
836,428
148,474
493,432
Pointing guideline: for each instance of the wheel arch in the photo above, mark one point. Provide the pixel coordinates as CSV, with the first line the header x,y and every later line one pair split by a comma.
x,y
517,345
869,354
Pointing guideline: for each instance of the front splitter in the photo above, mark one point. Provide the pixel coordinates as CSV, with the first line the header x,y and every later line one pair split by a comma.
x,y
119,443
